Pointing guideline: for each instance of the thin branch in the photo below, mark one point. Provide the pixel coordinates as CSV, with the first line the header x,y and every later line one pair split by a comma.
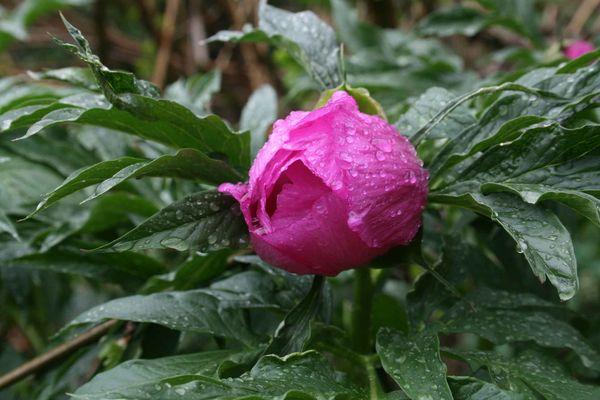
x,y
55,354
257,74
166,43
581,16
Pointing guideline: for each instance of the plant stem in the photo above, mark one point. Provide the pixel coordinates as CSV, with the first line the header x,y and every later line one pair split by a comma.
x,y
56,353
361,310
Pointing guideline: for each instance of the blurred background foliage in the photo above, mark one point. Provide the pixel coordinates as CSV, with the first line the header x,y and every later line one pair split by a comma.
x,y
395,48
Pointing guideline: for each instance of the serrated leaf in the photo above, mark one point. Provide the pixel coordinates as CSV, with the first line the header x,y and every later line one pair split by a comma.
x,y
206,220
112,83
309,40
14,24
136,378
414,362
258,114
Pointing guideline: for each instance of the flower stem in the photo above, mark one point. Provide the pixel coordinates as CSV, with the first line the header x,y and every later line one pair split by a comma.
x,y
361,310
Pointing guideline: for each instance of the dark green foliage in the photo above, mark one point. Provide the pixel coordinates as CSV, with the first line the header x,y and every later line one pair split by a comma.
x,y
109,209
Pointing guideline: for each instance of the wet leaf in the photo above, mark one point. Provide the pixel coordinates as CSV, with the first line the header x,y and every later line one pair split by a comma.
x,y
258,114
309,40
206,220
414,362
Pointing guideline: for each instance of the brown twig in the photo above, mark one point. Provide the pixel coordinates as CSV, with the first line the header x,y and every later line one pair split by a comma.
x,y
55,354
166,43
257,74
581,16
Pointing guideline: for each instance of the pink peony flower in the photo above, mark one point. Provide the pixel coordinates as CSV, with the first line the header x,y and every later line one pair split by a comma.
x,y
578,48
331,189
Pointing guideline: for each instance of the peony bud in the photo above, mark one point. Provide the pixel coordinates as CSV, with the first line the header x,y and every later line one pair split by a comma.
x,y
578,48
332,189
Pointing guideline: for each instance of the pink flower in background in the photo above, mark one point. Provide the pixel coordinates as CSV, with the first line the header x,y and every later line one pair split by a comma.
x,y
578,48
331,189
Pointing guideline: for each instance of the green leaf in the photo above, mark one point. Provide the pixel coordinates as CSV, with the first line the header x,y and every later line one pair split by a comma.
x,y
197,270
218,310
258,114
185,164
537,148
583,203
88,176
56,151
133,108
162,121
206,220
546,100
6,225
196,91
309,40
468,21
75,76
426,107
456,20
298,376
294,331
112,83
23,182
414,362
539,234
127,268
365,102
354,33
504,317
136,378
464,388
531,369
116,209
14,25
